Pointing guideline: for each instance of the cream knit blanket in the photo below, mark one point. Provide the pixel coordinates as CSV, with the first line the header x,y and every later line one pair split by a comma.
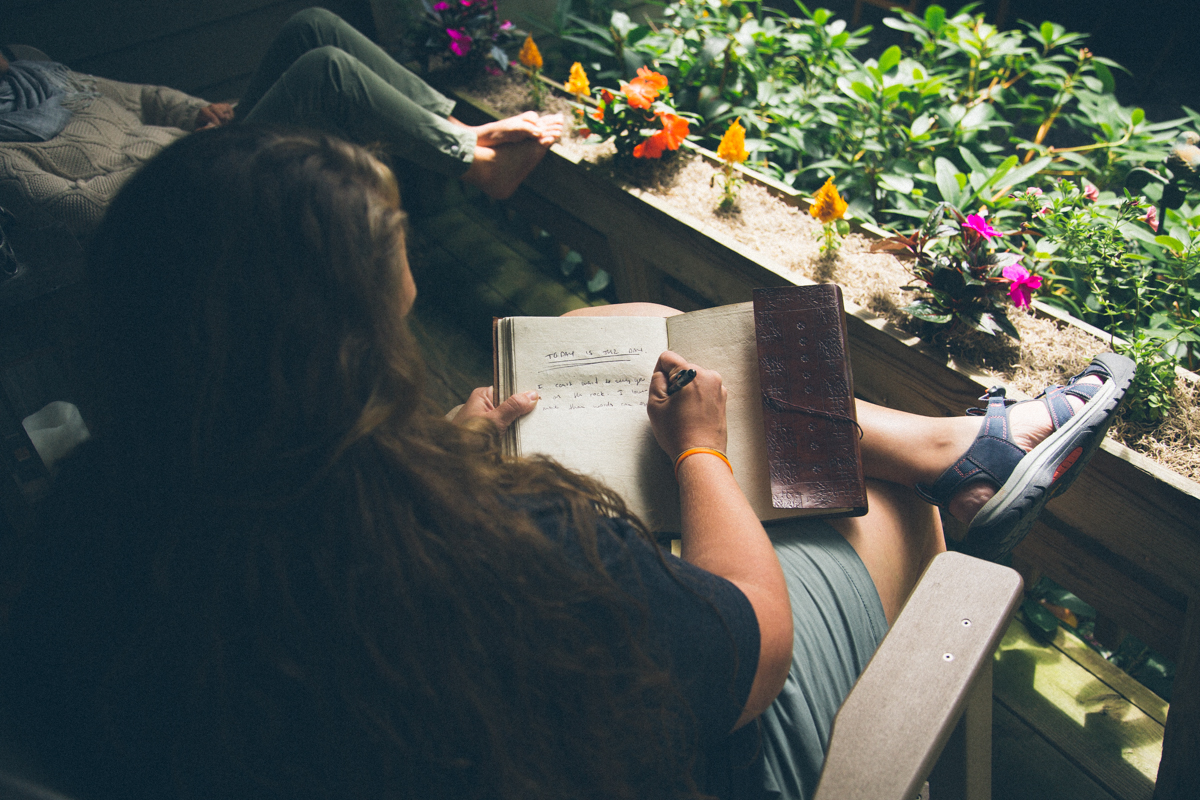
x,y
70,179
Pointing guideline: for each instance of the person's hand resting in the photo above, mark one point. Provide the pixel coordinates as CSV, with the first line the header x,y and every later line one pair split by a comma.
x,y
482,404
214,115
692,417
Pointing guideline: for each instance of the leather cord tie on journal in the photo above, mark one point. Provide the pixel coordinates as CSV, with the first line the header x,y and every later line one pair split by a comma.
x,y
775,404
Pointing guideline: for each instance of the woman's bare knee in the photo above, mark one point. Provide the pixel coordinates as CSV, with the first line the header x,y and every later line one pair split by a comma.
x,y
625,310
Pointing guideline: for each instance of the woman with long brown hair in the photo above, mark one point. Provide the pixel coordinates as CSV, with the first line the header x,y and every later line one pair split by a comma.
x,y
275,573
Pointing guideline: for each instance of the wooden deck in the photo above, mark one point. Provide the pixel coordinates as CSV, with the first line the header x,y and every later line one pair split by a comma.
x,y
1067,724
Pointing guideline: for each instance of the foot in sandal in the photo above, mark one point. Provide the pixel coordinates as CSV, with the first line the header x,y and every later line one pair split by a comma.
x,y
1026,453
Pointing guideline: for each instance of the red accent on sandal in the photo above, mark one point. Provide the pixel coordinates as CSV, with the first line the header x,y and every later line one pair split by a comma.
x,y
1066,463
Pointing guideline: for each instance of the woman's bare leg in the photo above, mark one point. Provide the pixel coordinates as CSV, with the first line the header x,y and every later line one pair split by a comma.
x,y
896,540
625,310
901,533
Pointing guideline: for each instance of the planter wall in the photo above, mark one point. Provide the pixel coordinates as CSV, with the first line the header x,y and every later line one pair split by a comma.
x,y
1126,538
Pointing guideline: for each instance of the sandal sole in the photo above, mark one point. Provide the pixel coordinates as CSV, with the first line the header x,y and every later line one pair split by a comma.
x,y
1049,469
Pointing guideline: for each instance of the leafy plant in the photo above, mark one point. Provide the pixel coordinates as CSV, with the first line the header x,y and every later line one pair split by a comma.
x,y
531,58
965,119
640,118
962,279
829,209
731,151
468,34
1110,269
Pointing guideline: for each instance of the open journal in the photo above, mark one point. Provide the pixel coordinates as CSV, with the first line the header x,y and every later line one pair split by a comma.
x,y
593,376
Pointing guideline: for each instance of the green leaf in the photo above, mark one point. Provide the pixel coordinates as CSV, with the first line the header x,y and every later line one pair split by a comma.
x,y
1047,31
1024,173
947,181
1137,116
924,311
1170,242
935,18
921,125
896,183
621,22
889,59
862,90
1001,320
1105,75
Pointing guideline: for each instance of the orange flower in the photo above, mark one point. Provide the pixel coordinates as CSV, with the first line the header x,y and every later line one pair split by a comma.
x,y
598,114
732,148
651,77
642,90
606,95
530,56
578,84
828,205
675,130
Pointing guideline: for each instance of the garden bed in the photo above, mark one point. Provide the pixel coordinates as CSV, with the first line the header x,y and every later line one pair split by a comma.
x,y
1052,347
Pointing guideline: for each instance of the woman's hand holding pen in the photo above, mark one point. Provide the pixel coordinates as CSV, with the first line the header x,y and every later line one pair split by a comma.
x,y
693,416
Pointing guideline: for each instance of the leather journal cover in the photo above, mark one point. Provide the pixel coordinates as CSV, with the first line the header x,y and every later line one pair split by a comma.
x,y
811,427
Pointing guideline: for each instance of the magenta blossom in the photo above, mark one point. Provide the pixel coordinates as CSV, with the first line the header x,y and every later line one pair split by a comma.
x,y
1091,192
460,42
507,25
1033,191
1151,218
1022,284
980,226
442,6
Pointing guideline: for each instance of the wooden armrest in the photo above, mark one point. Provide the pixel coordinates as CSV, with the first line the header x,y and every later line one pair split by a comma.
x,y
895,722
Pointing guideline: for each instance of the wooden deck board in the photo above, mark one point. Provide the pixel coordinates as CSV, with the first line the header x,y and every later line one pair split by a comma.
x,y
470,266
1091,722
1025,766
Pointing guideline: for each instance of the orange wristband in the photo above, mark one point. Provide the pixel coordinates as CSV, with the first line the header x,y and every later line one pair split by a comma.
x,y
691,451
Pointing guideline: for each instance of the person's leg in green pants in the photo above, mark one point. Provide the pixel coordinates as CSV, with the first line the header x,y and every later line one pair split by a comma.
x,y
320,72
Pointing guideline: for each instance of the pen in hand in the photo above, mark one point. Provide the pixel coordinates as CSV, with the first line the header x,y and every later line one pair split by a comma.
x,y
679,379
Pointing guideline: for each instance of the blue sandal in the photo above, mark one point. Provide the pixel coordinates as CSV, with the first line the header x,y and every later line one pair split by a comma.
x,y
1025,481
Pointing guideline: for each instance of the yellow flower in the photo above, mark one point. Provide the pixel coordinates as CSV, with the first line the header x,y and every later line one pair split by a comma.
x,y
578,84
828,205
530,56
732,148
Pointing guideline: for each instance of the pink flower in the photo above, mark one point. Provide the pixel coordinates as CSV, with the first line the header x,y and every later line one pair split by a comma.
x,y
507,25
1022,284
1151,218
980,226
1033,191
460,42
1043,211
1091,192
442,6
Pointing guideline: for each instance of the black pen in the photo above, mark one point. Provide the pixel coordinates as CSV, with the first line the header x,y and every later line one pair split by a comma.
x,y
679,379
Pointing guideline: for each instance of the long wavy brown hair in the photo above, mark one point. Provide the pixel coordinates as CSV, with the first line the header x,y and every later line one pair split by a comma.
x,y
317,588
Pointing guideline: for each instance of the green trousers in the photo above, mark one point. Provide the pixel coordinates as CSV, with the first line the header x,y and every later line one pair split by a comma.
x,y
321,73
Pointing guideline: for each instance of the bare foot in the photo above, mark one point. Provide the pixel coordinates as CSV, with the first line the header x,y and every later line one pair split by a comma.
x,y
1030,426
499,171
529,125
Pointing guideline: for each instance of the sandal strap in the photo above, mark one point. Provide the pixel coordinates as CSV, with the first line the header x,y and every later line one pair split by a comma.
x,y
992,456
1055,398
1056,402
